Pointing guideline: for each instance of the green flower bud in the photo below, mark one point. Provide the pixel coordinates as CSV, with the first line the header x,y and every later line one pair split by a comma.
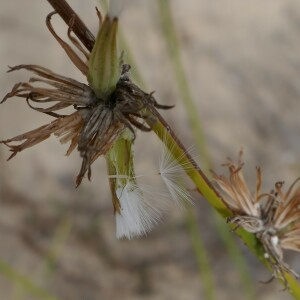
x,y
104,63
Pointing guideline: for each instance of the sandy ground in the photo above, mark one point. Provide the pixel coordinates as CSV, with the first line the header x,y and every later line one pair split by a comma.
x,y
243,65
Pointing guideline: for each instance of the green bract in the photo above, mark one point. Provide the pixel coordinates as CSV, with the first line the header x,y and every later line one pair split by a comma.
x,y
104,63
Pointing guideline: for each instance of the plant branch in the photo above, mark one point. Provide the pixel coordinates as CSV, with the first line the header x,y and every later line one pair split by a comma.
x,y
29,287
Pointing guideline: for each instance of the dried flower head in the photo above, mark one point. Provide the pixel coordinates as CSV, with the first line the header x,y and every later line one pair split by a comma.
x,y
107,112
284,226
238,197
96,122
273,217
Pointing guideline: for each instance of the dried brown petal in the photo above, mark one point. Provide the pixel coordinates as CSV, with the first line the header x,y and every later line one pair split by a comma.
x,y
78,62
65,91
67,128
288,209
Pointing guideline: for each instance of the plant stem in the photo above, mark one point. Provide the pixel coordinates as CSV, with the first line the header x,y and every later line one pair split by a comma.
x,y
177,149
61,234
174,48
202,256
23,282
236,257
183,85
134,72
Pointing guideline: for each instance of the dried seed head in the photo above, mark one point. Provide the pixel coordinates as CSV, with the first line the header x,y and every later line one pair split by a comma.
x,y
110,106
273,217
99,121
237,195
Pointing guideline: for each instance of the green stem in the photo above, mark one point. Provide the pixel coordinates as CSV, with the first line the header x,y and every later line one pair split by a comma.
x,y
25,283
236,257
176,148
135,74
60,236
201,255
198,134
183,86
191,222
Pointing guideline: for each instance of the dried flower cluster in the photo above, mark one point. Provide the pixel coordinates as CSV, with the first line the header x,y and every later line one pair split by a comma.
x,y
273,217
107,112
95,124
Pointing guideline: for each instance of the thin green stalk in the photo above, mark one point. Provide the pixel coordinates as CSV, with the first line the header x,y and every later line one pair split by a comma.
x,y
201,255
294,288
198,135
48,265
18,292
14,276
165,134
203,186
236,257
178,151
128,56
60,236
197,243
183,86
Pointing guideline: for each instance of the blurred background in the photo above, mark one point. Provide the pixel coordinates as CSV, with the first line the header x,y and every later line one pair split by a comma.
x,y
242,62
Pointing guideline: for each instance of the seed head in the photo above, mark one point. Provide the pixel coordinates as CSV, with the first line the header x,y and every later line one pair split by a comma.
x,y
273,217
